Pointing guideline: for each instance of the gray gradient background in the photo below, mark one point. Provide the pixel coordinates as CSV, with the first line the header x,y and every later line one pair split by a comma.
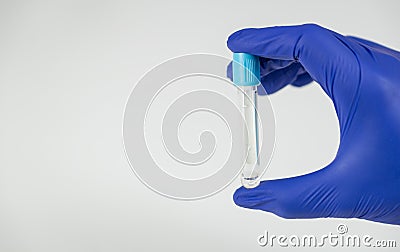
x,y
66,71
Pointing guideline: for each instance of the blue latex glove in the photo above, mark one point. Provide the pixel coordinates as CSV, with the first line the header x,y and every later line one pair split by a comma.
x,y
363,80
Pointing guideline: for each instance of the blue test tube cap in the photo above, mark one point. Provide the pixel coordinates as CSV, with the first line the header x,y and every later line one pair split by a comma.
x,y
246,69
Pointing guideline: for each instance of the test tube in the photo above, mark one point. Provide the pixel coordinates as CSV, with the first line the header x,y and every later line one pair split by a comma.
x,y
246,75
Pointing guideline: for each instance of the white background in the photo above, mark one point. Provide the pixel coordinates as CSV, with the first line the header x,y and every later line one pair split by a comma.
x,y
66,71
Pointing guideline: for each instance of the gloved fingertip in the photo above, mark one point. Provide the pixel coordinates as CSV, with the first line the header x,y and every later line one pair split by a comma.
x,y
234,40
251,198
238,197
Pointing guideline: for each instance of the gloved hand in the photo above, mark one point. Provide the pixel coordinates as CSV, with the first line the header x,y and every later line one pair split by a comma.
x,y
363,80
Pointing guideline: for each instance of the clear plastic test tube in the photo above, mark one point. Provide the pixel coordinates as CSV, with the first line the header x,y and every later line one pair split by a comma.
x,y
246,75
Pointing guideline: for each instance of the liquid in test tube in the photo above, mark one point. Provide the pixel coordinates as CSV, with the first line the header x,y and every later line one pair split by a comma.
x,y
246,75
